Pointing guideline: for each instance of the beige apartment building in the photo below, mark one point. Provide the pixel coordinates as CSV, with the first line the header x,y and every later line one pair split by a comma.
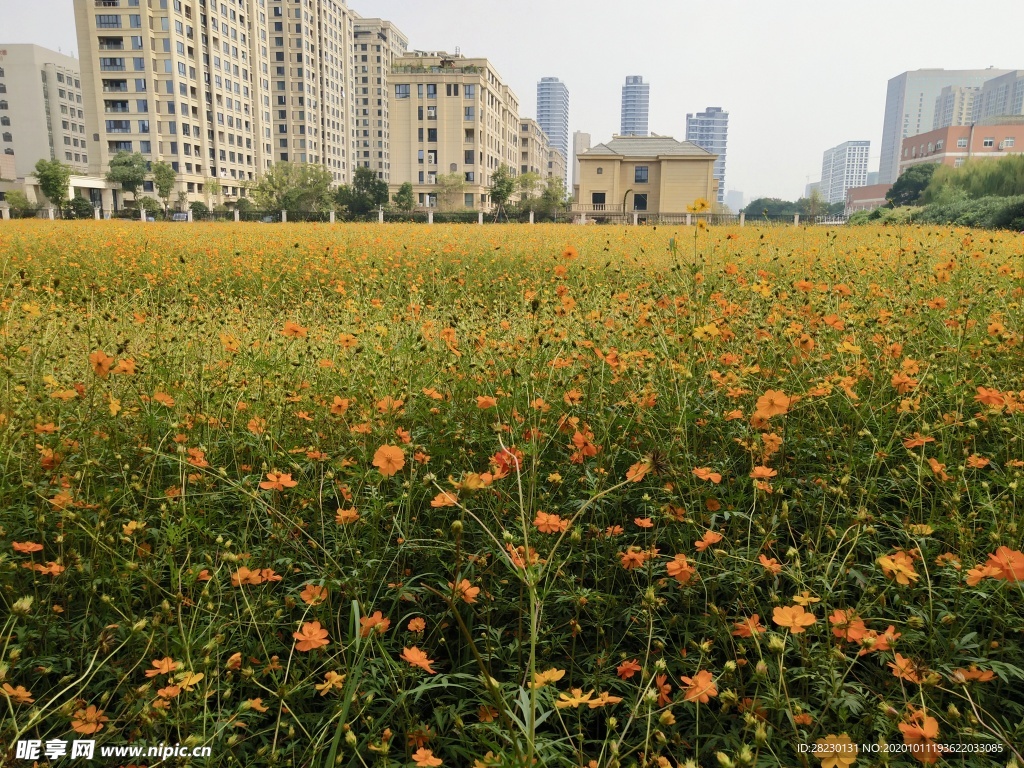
x,y
180,81
644,174
534,148
42,110
377,44
556,165
450,114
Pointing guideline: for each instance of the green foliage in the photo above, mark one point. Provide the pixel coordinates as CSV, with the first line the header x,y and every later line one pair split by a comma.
x,y
18,201
770,206
503,185
975,179
79,208
199,207
450,188
985,212
404,199
243,204
287,186
148,204
164,177
367,193
54,178
128,170
911,184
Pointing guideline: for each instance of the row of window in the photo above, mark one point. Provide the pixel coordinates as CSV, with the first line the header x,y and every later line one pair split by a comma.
x,y
404,90
961,143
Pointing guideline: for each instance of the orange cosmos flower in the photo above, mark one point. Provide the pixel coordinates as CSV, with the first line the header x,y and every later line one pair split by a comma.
x,y
748,627
445,499
835,751
939,470
416,625
293,330
425,758
101,363
278,481
900,566
418,658
164,399
700,688
311,636
643,522
547,523
570,253
916,441
705,473
346,516
762,473
89,720
483,402
772,403
26,546
465,590
19,694
709,538
793,617
920,734
905,669
1009,563
664,690
313,594
990,397
771,565
373,623
628,669
680,570
389,459
164,666
846,625
638,471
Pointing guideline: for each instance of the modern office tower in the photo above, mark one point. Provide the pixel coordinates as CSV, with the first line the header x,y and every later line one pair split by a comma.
x,y
910,108
534,148
377,44
710,130
1002,96
954,106
636,103
450,114
580,143
188,82
843,167
42,114
735,200
553,112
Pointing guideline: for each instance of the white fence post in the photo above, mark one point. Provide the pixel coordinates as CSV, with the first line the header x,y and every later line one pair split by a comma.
x,y
479,217
6,213
689,219
49,213
636,218
743,219
284,217
96,213
531,217
796,219
430,217
142,214
380,215
188,213
237,217
332,217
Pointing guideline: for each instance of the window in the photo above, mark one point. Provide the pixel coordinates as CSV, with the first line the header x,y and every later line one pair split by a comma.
x,y
470,177
135,21
136,43
419,154
140,86
108,21
7,136
145,147
452,89
143,126
469,91
597,199
431,90
640,177
1007,142
119,126
958,162
989,141
419,134
470,135
432,134
139,64
468,199
640,202
469,113
402,91
468,156
600,171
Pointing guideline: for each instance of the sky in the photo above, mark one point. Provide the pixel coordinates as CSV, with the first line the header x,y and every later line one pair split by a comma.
x,y
796,76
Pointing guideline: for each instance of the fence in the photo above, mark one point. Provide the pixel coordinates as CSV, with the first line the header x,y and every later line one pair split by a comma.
x,y
443,217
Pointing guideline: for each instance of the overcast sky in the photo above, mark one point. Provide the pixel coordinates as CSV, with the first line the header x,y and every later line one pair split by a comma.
x,y
797,76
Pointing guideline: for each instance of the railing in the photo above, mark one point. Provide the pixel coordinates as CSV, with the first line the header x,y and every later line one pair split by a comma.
x,y
108,3
597,208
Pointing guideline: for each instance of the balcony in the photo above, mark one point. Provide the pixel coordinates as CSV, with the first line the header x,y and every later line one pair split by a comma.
x,y
108,3
597,208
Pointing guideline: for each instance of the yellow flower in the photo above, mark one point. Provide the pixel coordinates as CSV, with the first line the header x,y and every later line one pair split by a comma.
x,y
836,751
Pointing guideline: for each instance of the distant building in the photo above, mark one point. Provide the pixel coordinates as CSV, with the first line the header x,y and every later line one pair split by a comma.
x,y
954,106
553,113
580,143
910,108
710,130
735,200
843,167
451,114
42,115
866,198
811,188
645,175
636,103
872,178
957,144
557,167
382,42
1000,96
533,148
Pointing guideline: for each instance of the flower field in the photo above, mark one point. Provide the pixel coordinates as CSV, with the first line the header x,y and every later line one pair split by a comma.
x,y
396,495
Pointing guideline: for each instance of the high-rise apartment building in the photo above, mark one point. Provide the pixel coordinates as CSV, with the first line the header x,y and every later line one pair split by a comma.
x,y
710,130
553,112
843,167
450,114
42,109
954,106
580,144
557,167
534,147
189,83
1001,96
377,44
910,108
636,103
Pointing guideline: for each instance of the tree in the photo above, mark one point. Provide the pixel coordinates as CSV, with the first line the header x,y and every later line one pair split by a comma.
x,y
80,208
814,204
128,170
294,187
503,184
450,186
403,198
164,177
18,201
54,178
911,185
366,193
527,184
771,206
211,189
